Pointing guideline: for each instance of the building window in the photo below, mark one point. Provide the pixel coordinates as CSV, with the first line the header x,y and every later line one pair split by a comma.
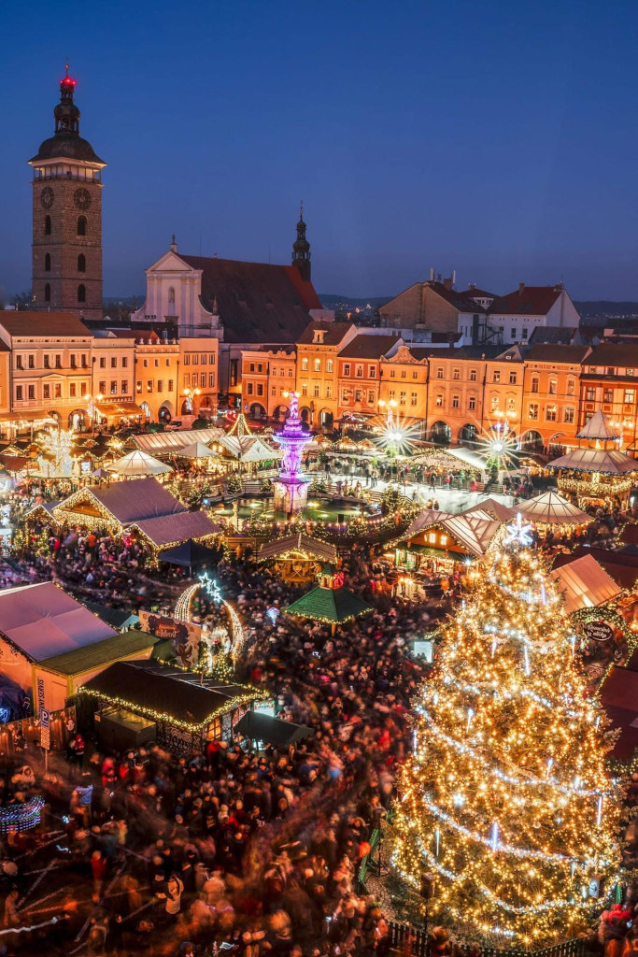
x,y
81,293
534,384
456,401
57,390
570,386
456,374
160,385
402,398
47,362
124,386
138,386
608,395
102,362
81,225
524,334
101,387
187,359
513,376
47,225
47,293
346,368
81,263
204,359
47,263
329,365
72,390
31,389
471,403
113,387
58,362
494,403
304,390
317,365
552,387
372,372
496,375
83,388
315,391
513,333
149,385
211,380
113,362
439,401
125,362
532,412
31,362
392,394
358,371
249,388
19,389
171,296
439,372
46,391
260,388
630,396
170,385
415,375
357,395
472,375
392,373
413,398
157,362
590,394
304,364
551,413
511,405
568,415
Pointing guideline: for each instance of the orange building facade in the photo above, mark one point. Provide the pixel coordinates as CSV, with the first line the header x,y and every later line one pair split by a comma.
x,y
268,376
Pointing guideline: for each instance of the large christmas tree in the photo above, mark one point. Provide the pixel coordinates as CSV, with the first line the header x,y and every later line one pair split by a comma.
x,y
506,798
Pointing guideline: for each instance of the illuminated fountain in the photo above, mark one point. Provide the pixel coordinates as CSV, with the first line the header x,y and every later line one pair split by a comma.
x,y
291,488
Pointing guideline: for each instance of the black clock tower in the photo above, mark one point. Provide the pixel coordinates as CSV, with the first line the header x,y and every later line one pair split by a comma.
x,y
67,216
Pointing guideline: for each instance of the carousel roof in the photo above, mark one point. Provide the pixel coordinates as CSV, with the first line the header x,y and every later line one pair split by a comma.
x,y
329,604
299,542
474,532
609,462
139,463
585,584
550,509
599,428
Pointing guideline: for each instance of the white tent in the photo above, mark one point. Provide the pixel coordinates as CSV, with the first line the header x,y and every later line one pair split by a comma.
x,y
493,509
585,584
599,428
550,509
196,450
249,448
139,463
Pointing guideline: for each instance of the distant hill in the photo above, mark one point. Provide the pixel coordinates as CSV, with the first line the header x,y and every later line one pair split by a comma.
x,y
607,309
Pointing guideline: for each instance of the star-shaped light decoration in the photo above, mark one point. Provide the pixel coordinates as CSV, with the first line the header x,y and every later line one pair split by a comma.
x,y
210,586
519,533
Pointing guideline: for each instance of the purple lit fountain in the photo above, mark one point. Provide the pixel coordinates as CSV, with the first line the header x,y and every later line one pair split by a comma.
x,y
291,488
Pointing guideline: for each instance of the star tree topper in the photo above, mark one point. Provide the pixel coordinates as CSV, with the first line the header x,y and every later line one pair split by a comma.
x,y
519,533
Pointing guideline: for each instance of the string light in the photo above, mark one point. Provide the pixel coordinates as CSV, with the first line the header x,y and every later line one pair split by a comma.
x,y
506,795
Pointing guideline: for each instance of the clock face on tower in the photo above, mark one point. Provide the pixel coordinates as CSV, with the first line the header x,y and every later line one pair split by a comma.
x,y
47,197
82,198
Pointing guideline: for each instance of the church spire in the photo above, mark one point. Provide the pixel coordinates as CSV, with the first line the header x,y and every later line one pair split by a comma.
x,y
66,113
301,249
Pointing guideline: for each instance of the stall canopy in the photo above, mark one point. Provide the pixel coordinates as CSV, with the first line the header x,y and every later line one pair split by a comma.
x,y
42,621
551,509
187,698
196,450
585,584
165,443
493,509
138,463
605,461
334,605
299,542
263,727
248,448
473,532
172,529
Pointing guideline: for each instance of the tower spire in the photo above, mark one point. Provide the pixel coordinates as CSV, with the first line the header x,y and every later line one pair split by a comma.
x,y
301,248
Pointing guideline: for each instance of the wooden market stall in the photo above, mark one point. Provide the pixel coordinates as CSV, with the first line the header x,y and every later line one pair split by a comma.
x,y
185,709
298,558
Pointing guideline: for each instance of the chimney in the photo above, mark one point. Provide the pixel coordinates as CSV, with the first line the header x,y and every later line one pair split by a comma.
x,y
448,282
521,288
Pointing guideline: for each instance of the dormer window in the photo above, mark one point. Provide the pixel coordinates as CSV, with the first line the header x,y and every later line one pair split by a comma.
x,y
318,336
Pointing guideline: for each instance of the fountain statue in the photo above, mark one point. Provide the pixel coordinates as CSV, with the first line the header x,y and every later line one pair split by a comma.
x,y
291,488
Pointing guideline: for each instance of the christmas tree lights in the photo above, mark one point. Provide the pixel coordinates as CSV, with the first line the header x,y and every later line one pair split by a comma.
x,y
506,797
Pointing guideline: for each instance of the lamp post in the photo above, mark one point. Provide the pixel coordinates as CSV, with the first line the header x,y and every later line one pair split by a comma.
x,y
92,409
190,395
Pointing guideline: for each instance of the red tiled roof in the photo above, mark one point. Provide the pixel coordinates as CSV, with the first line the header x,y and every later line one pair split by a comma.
x,y
527,301
368,347
333,332
257,302
549,352
42,324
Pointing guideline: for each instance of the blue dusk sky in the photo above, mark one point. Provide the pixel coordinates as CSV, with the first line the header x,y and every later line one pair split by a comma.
x,y
495,138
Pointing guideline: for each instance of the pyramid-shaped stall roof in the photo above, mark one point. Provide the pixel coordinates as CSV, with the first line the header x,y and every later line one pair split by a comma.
x,y
599,428
334,605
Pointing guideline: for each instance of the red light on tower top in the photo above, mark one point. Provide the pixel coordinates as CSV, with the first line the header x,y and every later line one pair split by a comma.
x,y
67,82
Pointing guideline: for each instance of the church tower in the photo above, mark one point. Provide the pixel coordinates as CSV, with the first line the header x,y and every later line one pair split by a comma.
x,y
67,216
301,249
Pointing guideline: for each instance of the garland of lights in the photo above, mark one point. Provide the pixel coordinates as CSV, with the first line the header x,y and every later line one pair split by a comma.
x,y
21,817
506,795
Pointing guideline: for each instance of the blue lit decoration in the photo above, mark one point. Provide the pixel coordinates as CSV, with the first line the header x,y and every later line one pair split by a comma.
x,y
5,714
21,817
273,614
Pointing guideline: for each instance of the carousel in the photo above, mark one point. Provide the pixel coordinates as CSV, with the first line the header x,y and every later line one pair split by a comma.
x,y
598,473
298,558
